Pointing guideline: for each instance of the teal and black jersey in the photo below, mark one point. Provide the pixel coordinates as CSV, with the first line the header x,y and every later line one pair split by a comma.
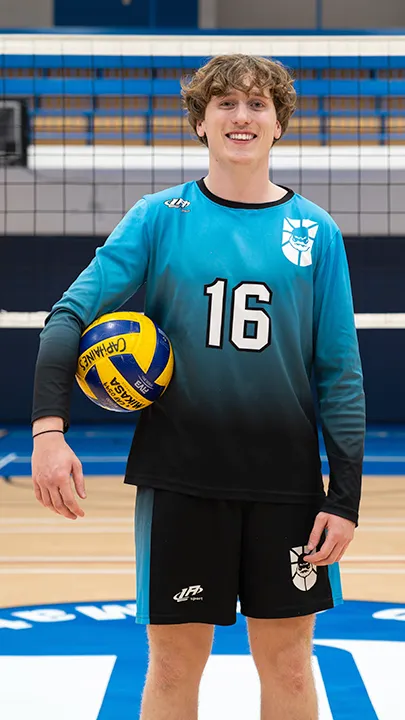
x,y
255,298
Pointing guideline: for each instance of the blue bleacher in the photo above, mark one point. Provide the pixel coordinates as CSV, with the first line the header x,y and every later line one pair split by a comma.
x,y
69,95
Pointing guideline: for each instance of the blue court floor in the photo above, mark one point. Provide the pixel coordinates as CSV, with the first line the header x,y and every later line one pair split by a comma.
x,y
99,650
94,656
103,450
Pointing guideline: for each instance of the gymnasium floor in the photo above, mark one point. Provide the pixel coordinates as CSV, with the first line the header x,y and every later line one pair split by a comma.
x,y
67,592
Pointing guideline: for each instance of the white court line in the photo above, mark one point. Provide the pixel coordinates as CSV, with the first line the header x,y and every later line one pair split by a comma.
x,y
76,527
377,458
53,521
384,458
382,521
67,559
5,559
73,528
24,459
34,520
377,528
372,571
54,686
130,571
7,459
373,558
66,571
230,689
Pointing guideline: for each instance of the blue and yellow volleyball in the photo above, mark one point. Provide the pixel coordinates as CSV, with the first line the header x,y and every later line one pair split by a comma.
x,y
125,361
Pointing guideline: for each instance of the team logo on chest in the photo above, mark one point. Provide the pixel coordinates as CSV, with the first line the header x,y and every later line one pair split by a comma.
x,y
298,238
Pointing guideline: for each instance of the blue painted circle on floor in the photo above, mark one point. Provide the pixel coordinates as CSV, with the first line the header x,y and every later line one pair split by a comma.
x,y
347,639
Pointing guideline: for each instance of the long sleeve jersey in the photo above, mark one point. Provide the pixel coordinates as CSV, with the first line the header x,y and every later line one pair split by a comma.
x,y
255,299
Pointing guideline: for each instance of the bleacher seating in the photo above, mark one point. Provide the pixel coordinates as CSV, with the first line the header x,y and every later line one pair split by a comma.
x,y
88,99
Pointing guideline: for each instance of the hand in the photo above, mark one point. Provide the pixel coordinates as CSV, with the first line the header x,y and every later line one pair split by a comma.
x,y
338,537
53,464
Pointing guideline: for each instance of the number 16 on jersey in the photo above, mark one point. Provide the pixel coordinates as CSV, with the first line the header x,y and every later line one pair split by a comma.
x,y
250,329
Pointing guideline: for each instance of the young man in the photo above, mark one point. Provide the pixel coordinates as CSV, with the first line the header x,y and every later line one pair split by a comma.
x,y
250,282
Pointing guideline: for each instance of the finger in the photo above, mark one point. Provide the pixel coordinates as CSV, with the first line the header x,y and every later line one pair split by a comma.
x,y
324,552
70,501
58,503
46,499
78,478
37,491
346,545
332,557
316,532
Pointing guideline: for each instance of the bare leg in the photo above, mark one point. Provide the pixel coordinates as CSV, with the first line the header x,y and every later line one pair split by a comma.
x,y
282,651
177,658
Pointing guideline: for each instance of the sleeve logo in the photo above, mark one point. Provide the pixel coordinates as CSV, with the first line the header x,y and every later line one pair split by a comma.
x,y
178,203
298,238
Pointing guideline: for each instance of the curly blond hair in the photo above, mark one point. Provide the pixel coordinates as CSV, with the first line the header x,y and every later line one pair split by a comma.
x,y
240,72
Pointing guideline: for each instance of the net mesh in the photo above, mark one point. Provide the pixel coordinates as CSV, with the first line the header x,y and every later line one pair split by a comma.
x,y
89,124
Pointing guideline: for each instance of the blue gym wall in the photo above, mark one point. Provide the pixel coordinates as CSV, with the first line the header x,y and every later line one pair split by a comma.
x,y
115,13
238,14
35,271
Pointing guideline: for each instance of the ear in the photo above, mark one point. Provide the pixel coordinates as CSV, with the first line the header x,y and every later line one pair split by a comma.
x,y
200,128
277,131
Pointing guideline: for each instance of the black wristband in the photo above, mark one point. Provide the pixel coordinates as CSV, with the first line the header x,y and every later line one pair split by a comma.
x,y
47,431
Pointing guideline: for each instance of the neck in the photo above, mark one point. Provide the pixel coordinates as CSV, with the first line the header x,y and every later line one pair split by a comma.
x,y
242,184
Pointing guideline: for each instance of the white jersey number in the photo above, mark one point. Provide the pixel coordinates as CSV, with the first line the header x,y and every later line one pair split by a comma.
x,y
250,329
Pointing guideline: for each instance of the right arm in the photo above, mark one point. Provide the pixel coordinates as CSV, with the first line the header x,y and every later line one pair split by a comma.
x,y
117,271
53,461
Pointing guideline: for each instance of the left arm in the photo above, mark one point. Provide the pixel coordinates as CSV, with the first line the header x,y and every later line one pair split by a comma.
x,y
339,383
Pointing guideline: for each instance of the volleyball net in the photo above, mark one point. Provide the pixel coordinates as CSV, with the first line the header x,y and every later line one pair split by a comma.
x,y
90,123
364,321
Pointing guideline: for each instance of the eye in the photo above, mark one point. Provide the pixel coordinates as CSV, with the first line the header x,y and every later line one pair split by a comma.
x,y
225,103
258,104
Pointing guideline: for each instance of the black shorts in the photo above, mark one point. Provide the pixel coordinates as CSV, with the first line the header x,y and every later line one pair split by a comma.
x,y
195,557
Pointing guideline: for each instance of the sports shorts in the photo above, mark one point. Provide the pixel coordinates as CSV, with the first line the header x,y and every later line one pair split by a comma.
x,y
196,557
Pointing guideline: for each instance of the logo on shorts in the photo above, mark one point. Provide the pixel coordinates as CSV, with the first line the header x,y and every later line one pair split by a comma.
x,y
304,575
189,593
298,238
178,203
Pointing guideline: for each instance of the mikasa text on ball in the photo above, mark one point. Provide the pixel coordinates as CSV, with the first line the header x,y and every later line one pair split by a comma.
x,y
125,361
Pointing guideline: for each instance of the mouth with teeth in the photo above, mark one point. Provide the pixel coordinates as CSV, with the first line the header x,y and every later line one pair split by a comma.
x,y
241,137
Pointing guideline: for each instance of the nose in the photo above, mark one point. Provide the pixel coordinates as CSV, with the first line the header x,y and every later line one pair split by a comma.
x,y
241,115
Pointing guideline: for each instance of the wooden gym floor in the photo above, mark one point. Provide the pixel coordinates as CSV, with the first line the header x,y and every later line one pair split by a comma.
x,y
45,558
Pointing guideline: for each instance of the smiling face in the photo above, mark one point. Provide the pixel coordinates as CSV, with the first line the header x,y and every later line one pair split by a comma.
x,y
240,127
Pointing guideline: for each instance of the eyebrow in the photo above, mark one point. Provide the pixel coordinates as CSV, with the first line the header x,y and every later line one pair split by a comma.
x,y
250,94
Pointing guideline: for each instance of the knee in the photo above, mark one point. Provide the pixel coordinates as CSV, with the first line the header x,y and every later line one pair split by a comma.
x,y
294,675
171,671
289,667
175,664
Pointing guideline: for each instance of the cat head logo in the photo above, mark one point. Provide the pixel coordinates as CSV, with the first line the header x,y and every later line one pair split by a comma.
x,y
298,238
304,575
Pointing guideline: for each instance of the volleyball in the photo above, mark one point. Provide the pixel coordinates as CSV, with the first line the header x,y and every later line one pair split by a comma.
x,y
125,361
